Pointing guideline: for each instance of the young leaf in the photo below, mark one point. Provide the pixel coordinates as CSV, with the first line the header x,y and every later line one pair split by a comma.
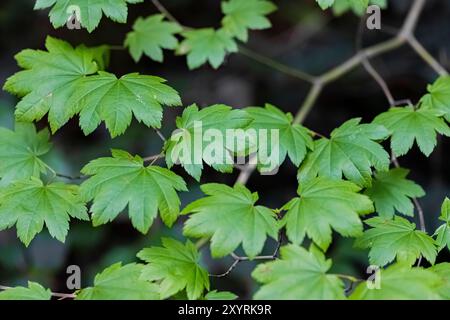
x,y
177,266
359,7
324,205
20,151
187,146
34,292
401,282
229,216
294,139
298,275
150,36
407,125
206,45
350,152
438,97
119,282
90,12
48,81
104,97
398,238
244,15
29,204
442,233
124,180
325,4
391,191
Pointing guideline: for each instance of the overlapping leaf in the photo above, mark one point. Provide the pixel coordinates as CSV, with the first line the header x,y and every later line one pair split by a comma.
x,y
324,205
119,282
90,11
352,151
206,45
443,232
49,79
357,6
124,180
34,292
391,192
20,152
244,15
443,271
229,216
104,97
293,140
29,204
401,282
408,125
396,239
193,143
177,266
438,96
298,275
150,36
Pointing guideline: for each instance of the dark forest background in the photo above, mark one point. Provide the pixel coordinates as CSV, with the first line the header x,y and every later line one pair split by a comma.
x,y
302,37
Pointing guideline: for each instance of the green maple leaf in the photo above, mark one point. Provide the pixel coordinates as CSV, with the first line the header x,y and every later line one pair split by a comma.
x,y
294,139
186,145
177,266
220,295
124,180
352,151
34,292
401,282
398,238
442,233
230,211
407,125
206,45
324,205
391,192
150,36
91,11
115,101
443,271
49,79
325,4
29,204
298,275
119,282
20,151
244,15
438,97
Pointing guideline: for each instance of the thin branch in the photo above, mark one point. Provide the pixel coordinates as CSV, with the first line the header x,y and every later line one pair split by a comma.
x,y
160,135
61,175
426,56
309,102
165,12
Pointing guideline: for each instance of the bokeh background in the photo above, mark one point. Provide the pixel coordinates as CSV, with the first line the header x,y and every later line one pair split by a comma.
x,y
302,37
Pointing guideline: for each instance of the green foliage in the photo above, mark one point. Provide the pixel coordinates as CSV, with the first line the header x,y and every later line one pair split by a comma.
x,y
350,152
357,6
443,271
183,146
177,266
438,97
323,205
294,139
220,295
104,97
408,125
124,180
244,15
396,239
29,204
49,80
119,282
34,292
299,275
20,152
230,211
150,36
206,45
391,192
91,12
443,232
401,282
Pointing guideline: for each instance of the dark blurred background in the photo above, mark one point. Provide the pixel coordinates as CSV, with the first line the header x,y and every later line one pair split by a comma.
x,y
303,37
